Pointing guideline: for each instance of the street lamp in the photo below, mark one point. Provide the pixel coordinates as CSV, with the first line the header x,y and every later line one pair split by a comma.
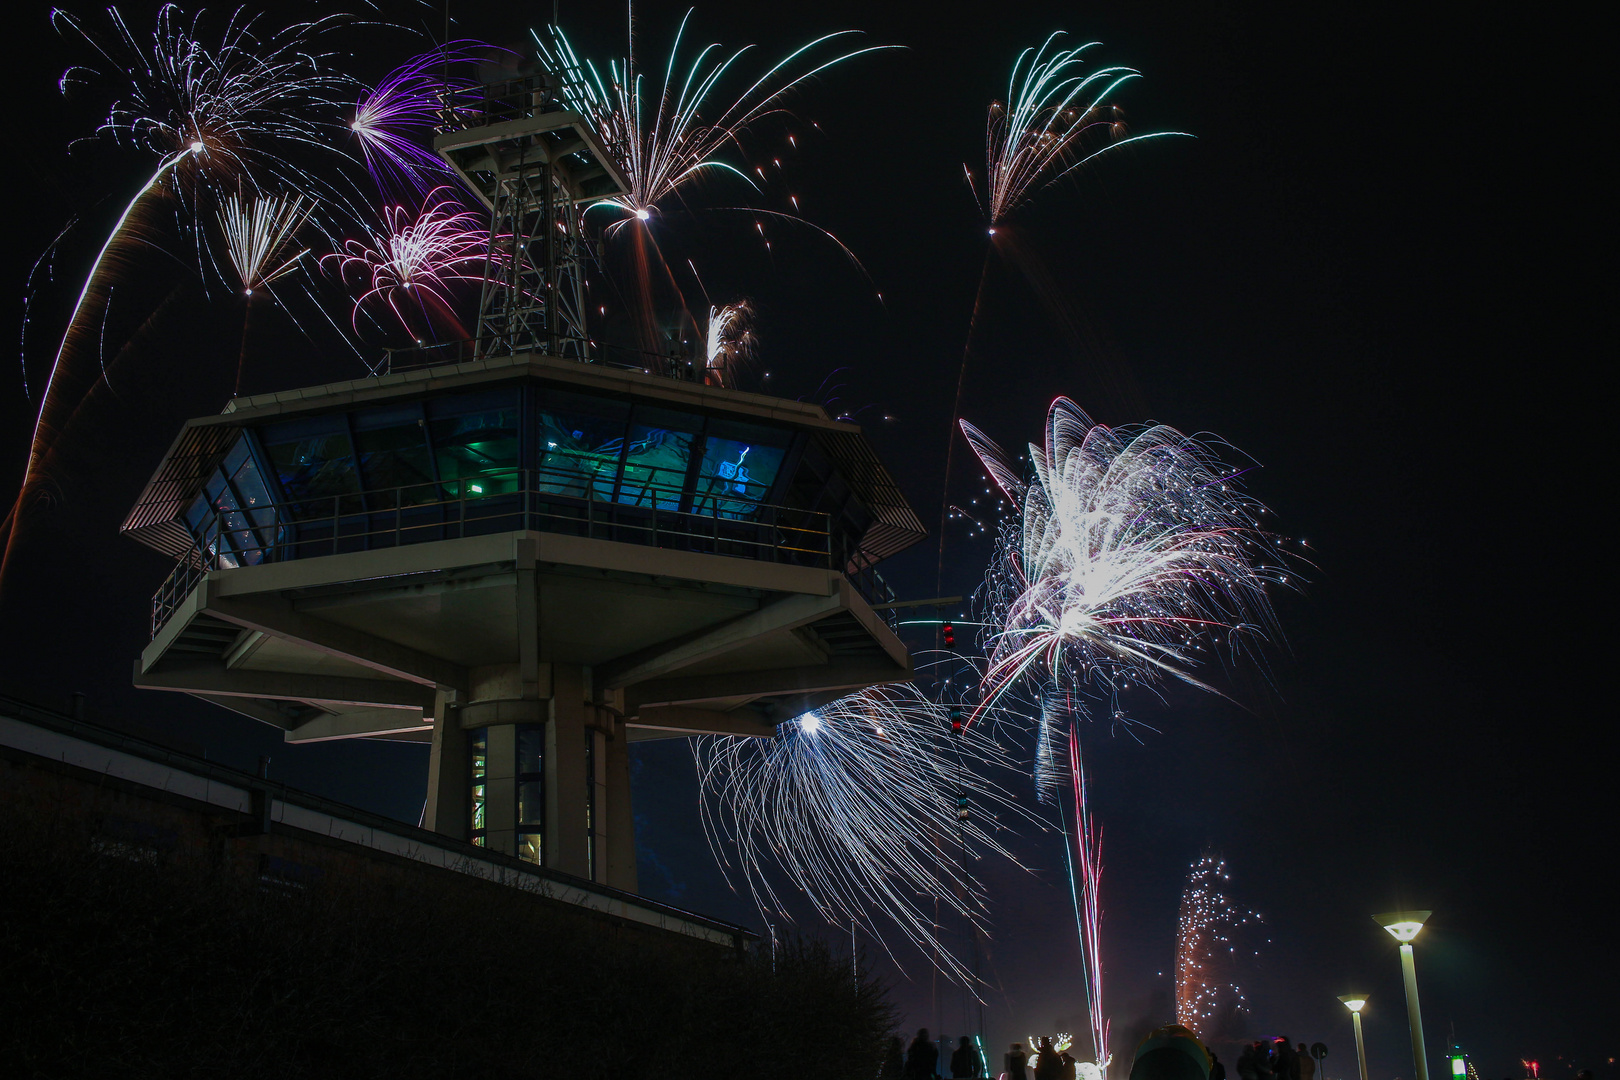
x,y
1355,1003
1403,926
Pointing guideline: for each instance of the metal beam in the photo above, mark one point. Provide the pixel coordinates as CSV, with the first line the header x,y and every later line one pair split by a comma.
x,y
365,724
844,675
788,613
279,619
685,720
218,680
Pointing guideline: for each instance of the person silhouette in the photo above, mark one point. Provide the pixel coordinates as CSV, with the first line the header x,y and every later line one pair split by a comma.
x,y
921,1057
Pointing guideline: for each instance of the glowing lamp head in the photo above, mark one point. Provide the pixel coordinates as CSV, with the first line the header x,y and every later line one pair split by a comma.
x,y
1354,1002
1403,926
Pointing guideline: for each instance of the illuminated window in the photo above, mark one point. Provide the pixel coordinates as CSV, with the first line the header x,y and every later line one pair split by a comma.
x,y
478,762
740,463
232,519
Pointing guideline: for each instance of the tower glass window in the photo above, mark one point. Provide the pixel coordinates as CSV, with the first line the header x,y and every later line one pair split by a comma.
x,y
476,443
657,458
232,518
531,793
739,467
314,462
581,442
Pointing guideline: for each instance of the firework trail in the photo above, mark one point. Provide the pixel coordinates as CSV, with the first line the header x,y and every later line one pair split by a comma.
x,y
1204,947
413,265
1135,550
1085,884
394,121
851,804
258,231
663,145
1057,117
210,110
729,341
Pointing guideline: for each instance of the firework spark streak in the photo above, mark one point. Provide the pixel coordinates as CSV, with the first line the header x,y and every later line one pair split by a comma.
x,y
729,341
1084,888
664,147
1056,119
1136,549
1204,946
853,803
258,231
393,121
412,266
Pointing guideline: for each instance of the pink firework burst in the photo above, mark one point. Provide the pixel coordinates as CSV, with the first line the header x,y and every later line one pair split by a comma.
x,y
414,265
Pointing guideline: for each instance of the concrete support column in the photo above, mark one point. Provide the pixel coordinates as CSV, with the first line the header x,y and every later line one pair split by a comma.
x,y
447,797
596,741
500,789
617,835
565,772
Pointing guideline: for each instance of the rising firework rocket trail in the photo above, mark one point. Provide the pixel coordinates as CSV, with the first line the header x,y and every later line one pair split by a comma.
x,y
1205,946
211,111
851,804
1135,550
1085,885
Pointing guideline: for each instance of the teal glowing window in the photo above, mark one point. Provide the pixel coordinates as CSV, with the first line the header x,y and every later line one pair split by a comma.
x,y
476,441
657,458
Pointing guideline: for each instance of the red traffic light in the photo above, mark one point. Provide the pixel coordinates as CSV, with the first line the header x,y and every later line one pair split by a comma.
x,y
949,632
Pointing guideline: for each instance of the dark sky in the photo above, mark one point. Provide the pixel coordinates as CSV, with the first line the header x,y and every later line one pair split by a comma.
x,y
1354,273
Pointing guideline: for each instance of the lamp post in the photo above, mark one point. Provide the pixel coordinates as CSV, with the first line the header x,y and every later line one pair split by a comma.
x,y
1403,926
1355,1003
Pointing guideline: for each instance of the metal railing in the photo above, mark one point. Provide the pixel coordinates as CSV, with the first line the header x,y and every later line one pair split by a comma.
x,y
548,500
689,366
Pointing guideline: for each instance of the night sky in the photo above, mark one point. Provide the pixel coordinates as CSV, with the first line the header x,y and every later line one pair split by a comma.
x,y
1351,274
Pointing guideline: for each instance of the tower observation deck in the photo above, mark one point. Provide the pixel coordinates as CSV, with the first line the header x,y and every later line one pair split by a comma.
x,y
527,562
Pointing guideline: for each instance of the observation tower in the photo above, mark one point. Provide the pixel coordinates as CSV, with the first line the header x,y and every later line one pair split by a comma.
x,y
528,558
